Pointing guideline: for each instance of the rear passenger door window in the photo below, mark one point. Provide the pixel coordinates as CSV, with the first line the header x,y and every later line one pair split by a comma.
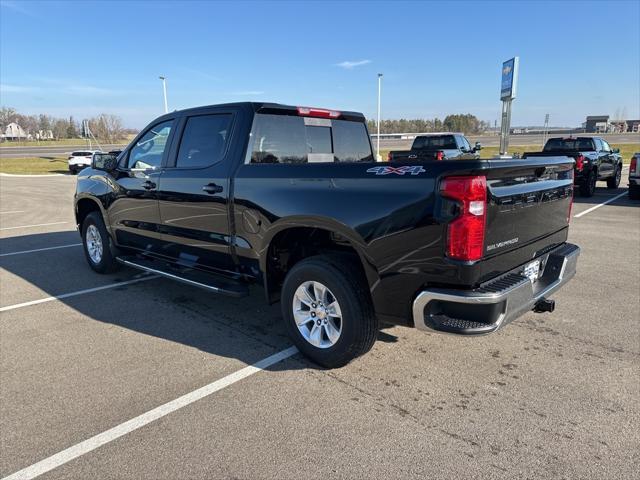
x,y
204,141
599,147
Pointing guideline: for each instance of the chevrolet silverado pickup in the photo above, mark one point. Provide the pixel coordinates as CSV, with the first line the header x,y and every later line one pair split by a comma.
x,y
290,198
595,160
437,146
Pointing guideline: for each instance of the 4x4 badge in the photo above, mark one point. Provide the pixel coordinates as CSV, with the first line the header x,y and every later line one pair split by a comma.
x,y
411,169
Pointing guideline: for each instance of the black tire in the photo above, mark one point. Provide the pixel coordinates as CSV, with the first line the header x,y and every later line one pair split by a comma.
x,y
588,186
634,192
614,182
107,263
359,325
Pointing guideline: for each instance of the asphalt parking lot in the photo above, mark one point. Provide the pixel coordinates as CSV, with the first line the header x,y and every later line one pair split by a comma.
x,y
552,395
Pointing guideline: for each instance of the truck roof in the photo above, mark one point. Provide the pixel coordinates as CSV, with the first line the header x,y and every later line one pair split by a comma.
x,y
265,107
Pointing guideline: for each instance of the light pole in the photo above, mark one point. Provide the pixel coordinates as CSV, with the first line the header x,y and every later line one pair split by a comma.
x,y
164,91
378,157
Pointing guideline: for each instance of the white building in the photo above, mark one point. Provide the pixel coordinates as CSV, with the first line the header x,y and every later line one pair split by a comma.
x,y
14,132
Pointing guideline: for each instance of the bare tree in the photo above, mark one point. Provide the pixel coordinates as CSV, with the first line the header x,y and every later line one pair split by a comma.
x,y
107,127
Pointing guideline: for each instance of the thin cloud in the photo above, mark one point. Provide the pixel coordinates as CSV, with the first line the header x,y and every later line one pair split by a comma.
x,y
60,87
16,7
8,88
348,64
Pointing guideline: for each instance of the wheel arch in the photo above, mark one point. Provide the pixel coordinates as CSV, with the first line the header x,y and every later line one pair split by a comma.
x,y
84,205
302,237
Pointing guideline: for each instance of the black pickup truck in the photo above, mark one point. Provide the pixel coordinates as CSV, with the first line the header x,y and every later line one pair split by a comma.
x,y
224,196
595,160
437,146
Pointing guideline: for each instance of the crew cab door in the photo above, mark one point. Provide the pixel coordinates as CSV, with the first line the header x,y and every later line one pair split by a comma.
x,y
468,153
194,192
607,160
133,214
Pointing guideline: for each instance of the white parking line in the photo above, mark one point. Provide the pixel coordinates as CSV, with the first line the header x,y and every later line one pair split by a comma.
x,y
135,423
31,226
13,211
39,250
76,293
588,210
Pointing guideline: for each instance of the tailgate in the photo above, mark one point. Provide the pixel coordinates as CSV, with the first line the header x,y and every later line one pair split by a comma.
x,y
528,200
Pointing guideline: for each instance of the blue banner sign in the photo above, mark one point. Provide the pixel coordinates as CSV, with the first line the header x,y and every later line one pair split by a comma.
x,y
509,79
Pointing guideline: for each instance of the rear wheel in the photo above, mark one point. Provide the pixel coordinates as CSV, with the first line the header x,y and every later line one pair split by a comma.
x,y
327,310
588,186
634,192
614,181
96,242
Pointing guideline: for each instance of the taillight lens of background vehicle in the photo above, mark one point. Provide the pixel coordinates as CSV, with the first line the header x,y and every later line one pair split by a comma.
x,y
633,168
580,163
389,157
465,234
318,112
439,155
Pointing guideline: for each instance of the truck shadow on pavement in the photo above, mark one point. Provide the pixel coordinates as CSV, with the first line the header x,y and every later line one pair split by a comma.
x,y
246,329
603,194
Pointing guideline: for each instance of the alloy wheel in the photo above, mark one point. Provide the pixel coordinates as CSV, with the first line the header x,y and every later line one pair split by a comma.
x,y
317,314
93,241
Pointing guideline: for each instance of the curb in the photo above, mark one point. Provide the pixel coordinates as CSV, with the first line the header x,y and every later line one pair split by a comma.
x,y
34,175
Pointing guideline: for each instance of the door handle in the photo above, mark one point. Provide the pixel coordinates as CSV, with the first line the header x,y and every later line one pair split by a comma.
x,y
212,188
149,185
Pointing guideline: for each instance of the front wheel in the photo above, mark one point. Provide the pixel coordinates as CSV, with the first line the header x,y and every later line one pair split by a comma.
x,y
97,244
327,310
614,181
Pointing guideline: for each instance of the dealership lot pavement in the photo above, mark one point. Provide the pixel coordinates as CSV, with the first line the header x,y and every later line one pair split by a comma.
x,y
549,396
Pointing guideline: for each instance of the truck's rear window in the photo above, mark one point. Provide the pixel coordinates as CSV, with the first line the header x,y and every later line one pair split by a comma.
x,y
435,142
293,139
579,144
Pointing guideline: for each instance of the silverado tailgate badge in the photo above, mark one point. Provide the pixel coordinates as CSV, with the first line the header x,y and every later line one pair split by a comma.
x,y
412,169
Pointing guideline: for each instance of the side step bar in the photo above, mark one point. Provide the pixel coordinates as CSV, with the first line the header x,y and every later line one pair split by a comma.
x,y
196,278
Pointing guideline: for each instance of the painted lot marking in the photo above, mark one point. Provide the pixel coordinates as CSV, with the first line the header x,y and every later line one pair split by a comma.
x,y
135,423
31,226
76,293
589,210
39,250
12,211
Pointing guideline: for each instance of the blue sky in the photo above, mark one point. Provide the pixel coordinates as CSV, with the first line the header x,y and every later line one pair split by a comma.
x,y
83,58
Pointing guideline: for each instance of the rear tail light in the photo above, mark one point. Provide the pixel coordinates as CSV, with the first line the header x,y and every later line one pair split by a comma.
x,y
439,155
580,163
318,112
465,234
633,168
389,157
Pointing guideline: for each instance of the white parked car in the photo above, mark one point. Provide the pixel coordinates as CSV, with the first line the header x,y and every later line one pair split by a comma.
x,y
80,159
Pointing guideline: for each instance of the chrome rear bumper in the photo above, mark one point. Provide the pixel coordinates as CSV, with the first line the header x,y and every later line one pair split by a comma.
x,y
496,303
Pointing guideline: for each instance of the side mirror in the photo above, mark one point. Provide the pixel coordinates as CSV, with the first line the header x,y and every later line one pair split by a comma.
x,y
106,162
478,147
616,150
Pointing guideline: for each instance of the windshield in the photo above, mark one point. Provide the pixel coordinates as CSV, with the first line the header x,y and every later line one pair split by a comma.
x,y
567,144
435,142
